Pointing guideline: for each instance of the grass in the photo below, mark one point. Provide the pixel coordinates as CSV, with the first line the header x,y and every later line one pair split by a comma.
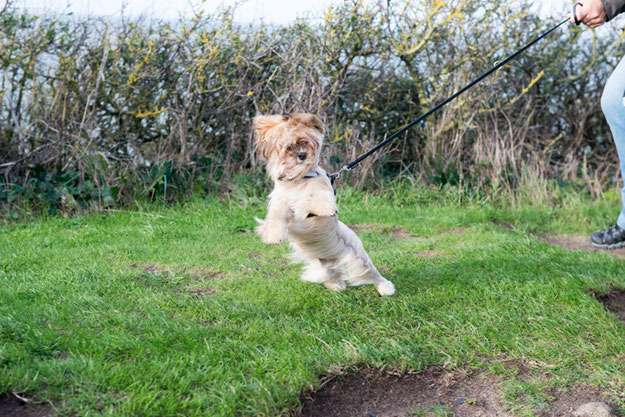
x,y
185,312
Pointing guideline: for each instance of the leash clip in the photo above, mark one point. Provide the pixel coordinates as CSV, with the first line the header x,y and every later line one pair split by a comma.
x,y
337,174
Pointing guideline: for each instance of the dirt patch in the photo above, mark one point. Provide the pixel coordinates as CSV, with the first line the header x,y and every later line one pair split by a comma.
x,y
455,231
503,224
375,393
579,243
568,400
178,278
397,232
614,301
201,293
12,406
153,268
199,274
372,392
432,253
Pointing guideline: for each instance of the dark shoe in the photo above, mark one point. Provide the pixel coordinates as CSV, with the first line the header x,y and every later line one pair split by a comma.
x,y
611,238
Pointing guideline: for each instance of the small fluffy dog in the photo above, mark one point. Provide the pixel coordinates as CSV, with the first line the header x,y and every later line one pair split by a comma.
x,y
302,205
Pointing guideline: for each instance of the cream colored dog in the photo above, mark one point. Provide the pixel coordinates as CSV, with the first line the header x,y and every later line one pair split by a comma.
x,y
302,206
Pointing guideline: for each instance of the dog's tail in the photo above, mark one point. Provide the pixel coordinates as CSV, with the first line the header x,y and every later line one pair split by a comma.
x,y
260,222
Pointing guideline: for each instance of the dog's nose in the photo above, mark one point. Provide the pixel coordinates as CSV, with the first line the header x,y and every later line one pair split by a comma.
x,y
301,156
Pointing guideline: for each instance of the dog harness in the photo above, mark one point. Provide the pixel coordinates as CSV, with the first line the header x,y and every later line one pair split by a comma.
x,y
315,174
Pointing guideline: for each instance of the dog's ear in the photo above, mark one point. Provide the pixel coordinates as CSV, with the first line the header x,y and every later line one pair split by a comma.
x,y
262,125
309,120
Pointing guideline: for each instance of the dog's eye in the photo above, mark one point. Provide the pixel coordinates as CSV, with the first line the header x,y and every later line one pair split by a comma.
x,y
301,156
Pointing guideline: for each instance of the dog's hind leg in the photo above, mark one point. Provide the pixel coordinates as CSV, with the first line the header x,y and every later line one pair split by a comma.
x,y
314,271
384,286
320,270
334,283
369,276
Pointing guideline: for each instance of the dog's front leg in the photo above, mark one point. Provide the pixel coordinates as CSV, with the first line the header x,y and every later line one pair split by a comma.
x,y
274,228
321,203
324,204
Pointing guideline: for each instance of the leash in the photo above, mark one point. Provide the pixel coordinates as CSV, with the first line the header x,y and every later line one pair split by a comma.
x,y
498,65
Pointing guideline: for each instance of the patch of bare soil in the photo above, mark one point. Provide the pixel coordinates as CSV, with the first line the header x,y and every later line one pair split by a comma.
x,y
579,243
12,406
505,225
567,401
201,274
372,392
197,274
614,301
435,392
431,253
455,231
397,232
201,293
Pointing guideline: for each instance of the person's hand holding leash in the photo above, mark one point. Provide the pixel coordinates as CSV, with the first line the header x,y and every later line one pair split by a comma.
x,y
592,13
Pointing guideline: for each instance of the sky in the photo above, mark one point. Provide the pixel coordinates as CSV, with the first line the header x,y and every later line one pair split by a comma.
x,y
271,11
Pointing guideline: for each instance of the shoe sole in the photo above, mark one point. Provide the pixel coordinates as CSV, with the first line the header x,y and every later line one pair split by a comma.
x,y
608,247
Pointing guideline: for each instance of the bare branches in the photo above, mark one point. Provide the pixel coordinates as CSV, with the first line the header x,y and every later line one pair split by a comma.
x,y
7,5
129,104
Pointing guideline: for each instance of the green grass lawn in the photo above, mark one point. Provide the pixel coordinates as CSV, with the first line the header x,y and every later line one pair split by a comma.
x,y
185,312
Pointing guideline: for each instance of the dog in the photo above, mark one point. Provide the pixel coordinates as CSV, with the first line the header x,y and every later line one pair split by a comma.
x,y
302,206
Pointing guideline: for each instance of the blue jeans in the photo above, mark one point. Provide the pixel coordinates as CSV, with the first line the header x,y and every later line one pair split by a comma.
x,y
613,106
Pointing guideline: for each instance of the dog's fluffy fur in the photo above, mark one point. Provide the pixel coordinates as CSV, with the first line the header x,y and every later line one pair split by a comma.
x,y
302,206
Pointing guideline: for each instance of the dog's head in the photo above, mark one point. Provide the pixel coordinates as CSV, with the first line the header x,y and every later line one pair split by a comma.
x,y
290,144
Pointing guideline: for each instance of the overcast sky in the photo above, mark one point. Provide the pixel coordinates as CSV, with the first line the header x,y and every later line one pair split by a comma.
x,y
271,11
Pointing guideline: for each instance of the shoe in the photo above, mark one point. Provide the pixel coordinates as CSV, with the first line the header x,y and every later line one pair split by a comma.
x,y
611,238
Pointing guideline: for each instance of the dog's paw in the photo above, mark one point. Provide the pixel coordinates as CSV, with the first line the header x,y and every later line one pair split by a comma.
x,y
335,285
299,214
271,235
385,287
322,208
311,208
325,210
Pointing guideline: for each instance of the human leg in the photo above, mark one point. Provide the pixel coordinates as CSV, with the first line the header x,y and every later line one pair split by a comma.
x,y
613,106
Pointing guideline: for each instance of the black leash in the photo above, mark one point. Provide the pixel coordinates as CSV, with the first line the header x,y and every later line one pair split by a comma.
x,y
500,64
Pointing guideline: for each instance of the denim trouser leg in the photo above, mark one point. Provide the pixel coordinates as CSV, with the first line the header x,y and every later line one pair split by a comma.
x,y
613,106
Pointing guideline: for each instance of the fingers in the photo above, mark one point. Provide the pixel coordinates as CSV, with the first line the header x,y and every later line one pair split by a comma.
x,y
582,13
571,18
594,23
591,13
595,18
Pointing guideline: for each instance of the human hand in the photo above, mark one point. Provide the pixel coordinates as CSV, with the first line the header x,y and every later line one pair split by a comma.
x,y
591,13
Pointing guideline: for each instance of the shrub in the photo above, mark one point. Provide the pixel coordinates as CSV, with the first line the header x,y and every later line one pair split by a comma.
x,y
98,113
